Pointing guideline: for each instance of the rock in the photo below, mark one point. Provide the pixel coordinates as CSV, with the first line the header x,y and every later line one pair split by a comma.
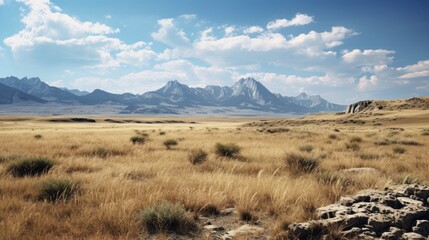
x,y
413,236
422,227
347,201
360,170
391,202
356,220
305,230
350,234
406,216
332,210
407,201
246,230
228,211
379,223
357,107
392,234
214,228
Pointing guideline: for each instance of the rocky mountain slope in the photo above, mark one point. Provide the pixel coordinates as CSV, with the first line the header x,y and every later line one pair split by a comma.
x,y
244,94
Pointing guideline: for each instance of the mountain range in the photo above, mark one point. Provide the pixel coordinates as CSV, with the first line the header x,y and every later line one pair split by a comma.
x,y
247,93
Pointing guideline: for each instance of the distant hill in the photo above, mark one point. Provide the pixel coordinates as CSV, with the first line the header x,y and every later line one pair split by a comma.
x,y
10,95
247,93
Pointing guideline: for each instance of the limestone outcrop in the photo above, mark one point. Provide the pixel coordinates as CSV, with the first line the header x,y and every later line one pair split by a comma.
x,y
400,212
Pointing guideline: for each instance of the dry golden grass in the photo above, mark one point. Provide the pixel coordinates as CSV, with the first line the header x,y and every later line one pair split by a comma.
x,y
120,180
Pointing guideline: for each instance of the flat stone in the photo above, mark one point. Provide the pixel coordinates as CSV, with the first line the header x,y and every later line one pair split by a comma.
x,y
408,201
331,211
356,220
393,234
306,230
380,223
246,230
413,236
214,228
360,170
422,227
228,211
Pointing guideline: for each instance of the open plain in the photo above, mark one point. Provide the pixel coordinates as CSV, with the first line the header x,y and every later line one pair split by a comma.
x,y
283,170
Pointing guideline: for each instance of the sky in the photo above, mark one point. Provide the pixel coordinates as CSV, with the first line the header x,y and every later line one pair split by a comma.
x,y
344,51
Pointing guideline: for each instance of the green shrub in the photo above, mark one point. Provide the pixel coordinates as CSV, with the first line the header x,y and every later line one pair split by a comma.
x,y
30,167
197,156
300,163
167,218
399,150
306,148
230,150
169,143
57,189
138,139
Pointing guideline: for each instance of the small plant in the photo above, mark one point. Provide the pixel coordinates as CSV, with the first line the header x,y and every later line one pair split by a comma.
x,y
246,215
140,139
209,210
332,136
399,150
336,130
356,140
300,163
168,218
169,143
30,167
38,136
162,133
353,146
229,150
197,156
410,143
57,189
105,153
306,148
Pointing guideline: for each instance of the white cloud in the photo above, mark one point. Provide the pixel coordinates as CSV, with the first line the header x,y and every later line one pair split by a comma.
x,y
367,82
229,31
1,2
253,29
51,36
368,57
420,69
299,19
169,34
108,17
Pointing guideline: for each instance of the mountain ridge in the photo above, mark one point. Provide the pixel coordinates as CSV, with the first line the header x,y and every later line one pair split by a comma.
x,y
247,93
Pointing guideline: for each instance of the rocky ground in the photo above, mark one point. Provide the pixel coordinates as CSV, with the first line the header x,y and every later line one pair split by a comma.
x,y
399,212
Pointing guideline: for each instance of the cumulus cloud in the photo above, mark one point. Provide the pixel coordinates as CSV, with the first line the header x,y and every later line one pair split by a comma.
x,y
299,19
169,34
253,29
418,70
51,36
366,82
1,2
368,57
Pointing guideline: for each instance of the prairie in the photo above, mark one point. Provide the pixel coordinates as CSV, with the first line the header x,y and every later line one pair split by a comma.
x,y
269,182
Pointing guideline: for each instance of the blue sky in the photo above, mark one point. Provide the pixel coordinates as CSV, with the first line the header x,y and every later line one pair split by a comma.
x,y
343,50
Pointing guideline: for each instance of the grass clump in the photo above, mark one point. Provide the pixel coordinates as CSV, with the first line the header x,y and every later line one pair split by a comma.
x,y
229,150
355,140
399,150
306,148
169,143
353,146
246,215
197,156
105,153
209,210
300,163
139,139
332,136
57,189
167,218
38,136
30,167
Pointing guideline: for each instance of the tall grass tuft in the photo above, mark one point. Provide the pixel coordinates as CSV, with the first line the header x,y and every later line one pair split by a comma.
x,y
300,163
229,150
57,189
167,218
30,167
197,156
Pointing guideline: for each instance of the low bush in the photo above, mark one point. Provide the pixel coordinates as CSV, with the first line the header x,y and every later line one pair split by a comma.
x,y
38,136
105,153
399,150
57,189
353,146
229,150
355,139
197,156
169,143
167,218
300,163
332,136
306,148
30,167
139,139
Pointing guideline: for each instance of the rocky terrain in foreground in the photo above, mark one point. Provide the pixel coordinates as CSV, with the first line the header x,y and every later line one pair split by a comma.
x,y
400,212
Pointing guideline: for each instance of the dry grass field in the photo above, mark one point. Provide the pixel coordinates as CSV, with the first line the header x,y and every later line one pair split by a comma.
x,y
285,169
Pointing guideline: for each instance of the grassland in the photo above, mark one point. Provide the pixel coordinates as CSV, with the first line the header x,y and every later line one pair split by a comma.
x,y
115,179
